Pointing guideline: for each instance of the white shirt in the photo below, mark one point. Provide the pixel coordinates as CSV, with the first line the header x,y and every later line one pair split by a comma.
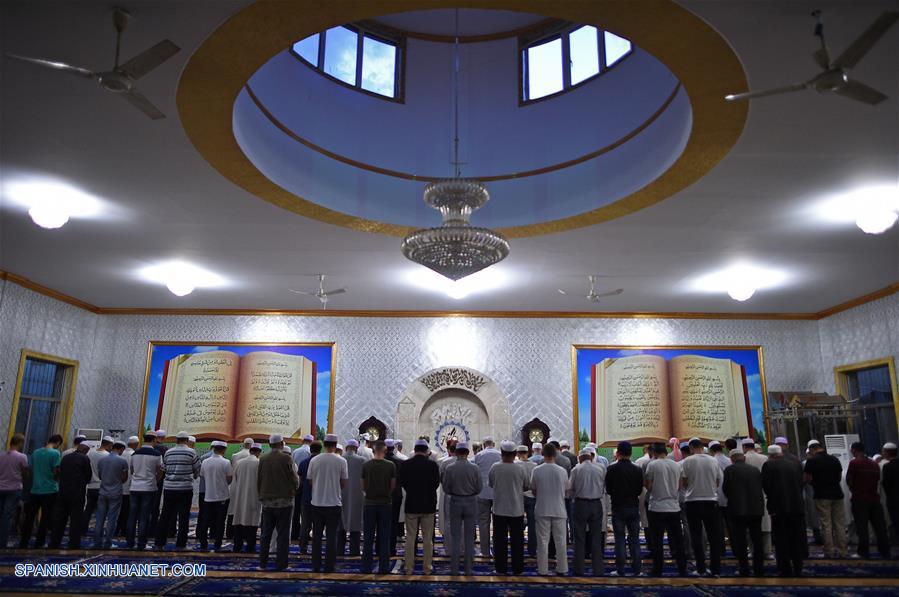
x,y
325,472
215,471
485,460
126,486
549,482
665,475
95,456
240,455
301,454
587,481
144,463
723,462
703,475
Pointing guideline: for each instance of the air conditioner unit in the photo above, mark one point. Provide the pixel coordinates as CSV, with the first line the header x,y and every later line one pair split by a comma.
x,y
94,436
838,445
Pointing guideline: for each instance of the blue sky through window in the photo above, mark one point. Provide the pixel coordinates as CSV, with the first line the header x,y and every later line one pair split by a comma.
x,y
378,67
340,54
616,47
307,49
545,69
584,51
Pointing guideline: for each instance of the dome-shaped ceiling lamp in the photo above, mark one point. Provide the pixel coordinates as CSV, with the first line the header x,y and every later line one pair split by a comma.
x,y
456,249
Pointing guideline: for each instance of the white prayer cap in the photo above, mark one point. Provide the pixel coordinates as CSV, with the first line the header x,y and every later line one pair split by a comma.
x,y
421,442
182,435
591,449
256,447
775,449
812,442
248,442
276,438
591,445
585,452
331,438
551,440
192,439
160,433
366,437
118,442
537,446
521,448
463,446
564,444
781,440
308,438
352,444
714,443
889,446
80,438
694,439
736,451
748,441
108,439
219,444
489,438
133,439
390,443
340,447
507,446
286,449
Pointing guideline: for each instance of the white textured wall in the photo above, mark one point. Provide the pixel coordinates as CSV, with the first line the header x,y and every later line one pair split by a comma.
x,y
378,357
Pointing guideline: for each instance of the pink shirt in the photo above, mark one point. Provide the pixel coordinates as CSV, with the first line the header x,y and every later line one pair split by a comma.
x,y
12,465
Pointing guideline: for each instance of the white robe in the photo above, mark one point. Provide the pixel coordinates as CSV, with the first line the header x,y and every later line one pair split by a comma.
x,y
353,498
245,504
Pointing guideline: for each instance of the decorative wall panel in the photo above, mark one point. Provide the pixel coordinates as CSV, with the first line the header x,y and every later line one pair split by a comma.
x,y
377,358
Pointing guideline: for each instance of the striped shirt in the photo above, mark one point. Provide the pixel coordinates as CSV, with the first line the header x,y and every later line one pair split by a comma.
x,y
180,464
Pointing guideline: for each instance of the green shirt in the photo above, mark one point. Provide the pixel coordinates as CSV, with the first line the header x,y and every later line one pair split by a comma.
x,y
43,462
378,473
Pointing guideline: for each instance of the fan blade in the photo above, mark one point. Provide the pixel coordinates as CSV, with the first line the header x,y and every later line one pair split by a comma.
x,y
754,94
863,44
149,59
301,292
610,293
822,59
861,92
561,291
60,66
142,103
338,291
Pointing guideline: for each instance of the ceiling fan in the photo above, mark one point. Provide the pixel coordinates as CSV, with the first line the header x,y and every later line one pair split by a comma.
x,y
592,295
833,77
321,294
121,79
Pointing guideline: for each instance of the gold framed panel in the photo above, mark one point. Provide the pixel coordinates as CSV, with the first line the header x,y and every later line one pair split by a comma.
x,y
840,381
64,418
153,343
756,347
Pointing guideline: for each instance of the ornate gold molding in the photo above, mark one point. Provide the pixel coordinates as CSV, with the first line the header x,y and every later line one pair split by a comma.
x,y
812,316
707,68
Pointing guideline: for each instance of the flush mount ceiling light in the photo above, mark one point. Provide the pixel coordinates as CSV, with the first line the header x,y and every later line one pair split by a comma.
x,y
181,278
50,202
456,249
874,209
739,281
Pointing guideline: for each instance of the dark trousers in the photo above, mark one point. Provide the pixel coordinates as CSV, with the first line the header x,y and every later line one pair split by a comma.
x,y
90,506
327,519
376,518
588,513
704,513
121,527
739,526
175,505
42,502
244,535
661,523
217,513
68,508
870,512
9,503
788,535
139,517
529,506
154,510
275,518
295,522
305,527
203,521
627,520
508,530
726,529
355,541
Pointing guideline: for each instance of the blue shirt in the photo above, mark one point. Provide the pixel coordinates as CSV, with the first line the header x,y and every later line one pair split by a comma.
x,y
109,470
43,462
304,480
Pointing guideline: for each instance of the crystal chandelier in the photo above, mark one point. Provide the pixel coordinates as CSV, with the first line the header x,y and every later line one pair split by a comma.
x,y
456,249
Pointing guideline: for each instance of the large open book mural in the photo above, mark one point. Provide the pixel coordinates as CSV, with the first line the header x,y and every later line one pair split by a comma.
x,y
231,391
645,394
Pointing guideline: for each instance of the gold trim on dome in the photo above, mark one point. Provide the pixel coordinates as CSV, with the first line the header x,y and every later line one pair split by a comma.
x,y
706,66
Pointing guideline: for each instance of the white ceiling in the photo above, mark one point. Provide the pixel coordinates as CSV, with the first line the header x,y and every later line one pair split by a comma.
x,y
165,201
